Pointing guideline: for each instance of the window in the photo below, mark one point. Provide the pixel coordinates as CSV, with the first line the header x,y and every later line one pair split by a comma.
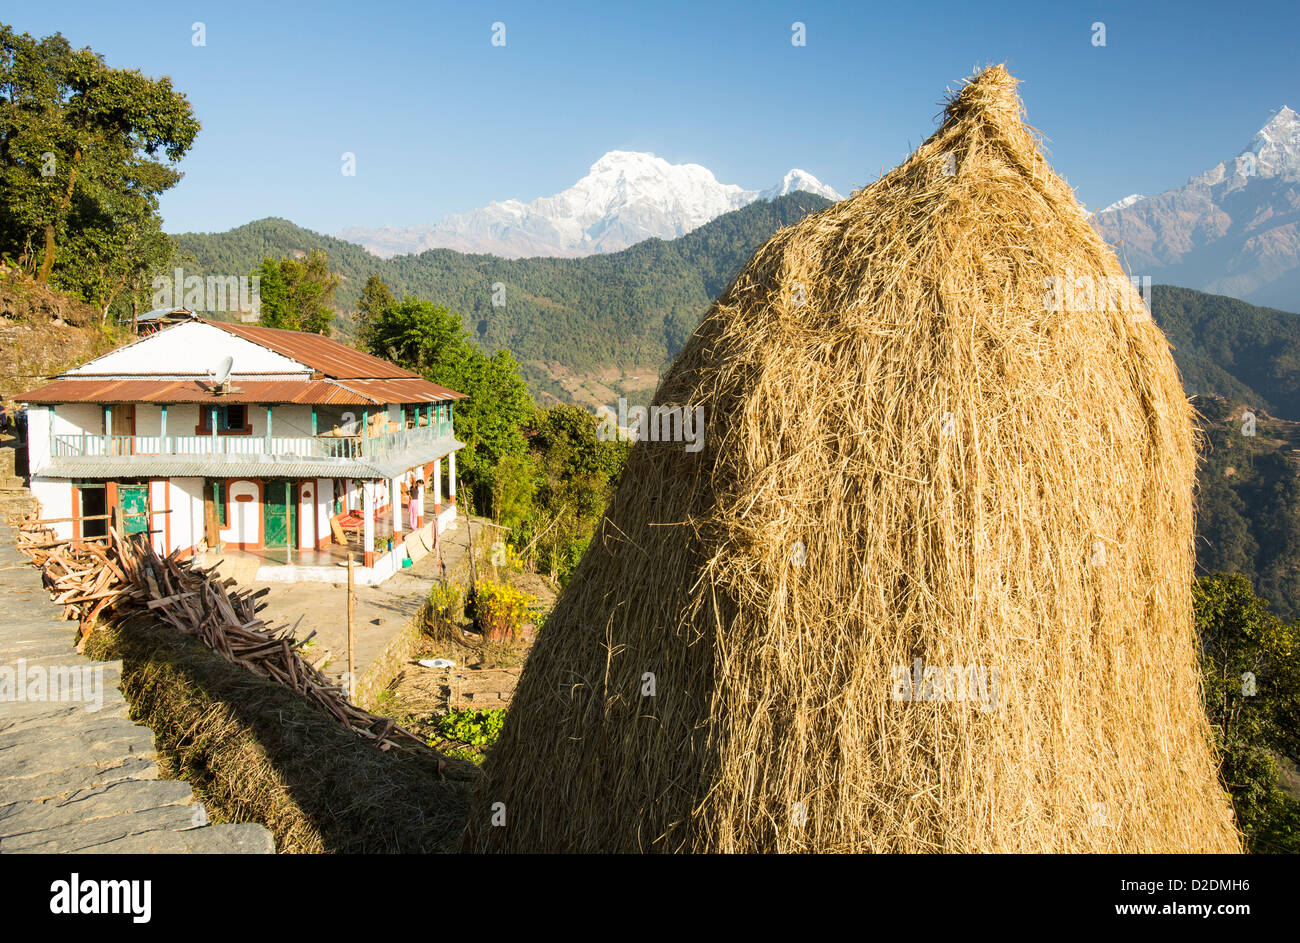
x,y
230,419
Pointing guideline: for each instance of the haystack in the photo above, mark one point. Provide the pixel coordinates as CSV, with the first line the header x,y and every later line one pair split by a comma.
x,y
926,587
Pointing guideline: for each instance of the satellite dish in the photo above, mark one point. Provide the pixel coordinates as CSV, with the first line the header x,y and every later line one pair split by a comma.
x,y
223,369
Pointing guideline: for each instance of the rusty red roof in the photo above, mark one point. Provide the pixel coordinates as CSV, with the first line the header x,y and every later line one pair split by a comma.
x,y
305,391
402,390
317,351
349,377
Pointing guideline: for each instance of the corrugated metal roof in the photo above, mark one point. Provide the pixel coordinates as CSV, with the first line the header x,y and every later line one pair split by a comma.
x,y
193,391
317,351
235,466
302,391
402,390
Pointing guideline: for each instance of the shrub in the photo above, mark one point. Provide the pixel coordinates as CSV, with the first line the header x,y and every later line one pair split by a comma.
x,y
446,611
502,610
471,727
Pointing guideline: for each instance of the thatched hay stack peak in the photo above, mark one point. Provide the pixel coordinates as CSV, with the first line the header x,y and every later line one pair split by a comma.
x,y
926,586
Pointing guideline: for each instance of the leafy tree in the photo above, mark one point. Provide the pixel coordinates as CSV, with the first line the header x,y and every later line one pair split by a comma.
x,y
577,474
85,152
297,294
1251,665
432,340
376,300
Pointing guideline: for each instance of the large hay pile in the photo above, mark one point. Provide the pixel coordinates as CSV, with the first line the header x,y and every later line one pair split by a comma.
x,y
910,454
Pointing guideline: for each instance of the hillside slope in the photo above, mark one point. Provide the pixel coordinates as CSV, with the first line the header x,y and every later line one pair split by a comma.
x,y
42,332
633,306
588,321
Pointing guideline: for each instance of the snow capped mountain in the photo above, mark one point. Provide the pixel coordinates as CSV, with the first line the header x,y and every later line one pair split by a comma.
x,y
799,180
625,197
1120,204
1233,230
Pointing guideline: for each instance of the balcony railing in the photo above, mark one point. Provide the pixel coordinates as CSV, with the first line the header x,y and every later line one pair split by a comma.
x,y
254,446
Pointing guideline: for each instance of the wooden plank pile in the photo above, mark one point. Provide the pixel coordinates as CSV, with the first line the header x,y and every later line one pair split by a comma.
x,y
120,576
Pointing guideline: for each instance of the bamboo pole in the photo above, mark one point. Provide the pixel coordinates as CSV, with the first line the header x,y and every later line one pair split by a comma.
x,y
350,614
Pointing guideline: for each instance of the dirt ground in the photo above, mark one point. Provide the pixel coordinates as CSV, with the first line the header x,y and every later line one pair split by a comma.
x,y
483,677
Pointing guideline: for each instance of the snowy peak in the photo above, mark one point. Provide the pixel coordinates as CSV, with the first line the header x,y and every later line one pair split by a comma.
x,y
1274,151
621,180
625,197
1122,204
799,180
1277,145
1233,230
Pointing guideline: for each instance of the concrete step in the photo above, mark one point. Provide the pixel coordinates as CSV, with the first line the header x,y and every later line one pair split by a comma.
x,y
98,802
238,839
74,779
76,749
83,835
65,782
31,715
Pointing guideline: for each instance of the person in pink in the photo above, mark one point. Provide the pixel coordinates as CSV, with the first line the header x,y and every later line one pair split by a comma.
x,y
413,507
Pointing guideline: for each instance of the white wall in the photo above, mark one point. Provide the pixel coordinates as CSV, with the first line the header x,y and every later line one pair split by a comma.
x,y
187,511
243,518
39,419
324,508
307,515
190,348
55,495
148,419
78,419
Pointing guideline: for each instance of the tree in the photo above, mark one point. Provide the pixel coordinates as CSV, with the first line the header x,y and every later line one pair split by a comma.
x,y
376,301
1251,665
431,340
578,472
85,152
296,294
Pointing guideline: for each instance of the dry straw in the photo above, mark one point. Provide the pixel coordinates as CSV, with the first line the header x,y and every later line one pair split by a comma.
x,y
910,454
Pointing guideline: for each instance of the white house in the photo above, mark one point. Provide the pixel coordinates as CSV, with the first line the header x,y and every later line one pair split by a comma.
x,y
212,435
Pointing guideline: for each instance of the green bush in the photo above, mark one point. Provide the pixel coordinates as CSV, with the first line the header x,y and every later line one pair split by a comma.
x,y
446,610
471,727
1251,664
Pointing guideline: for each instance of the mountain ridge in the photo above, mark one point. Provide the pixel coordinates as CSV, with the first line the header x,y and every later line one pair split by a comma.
x,y
625,198
1233,230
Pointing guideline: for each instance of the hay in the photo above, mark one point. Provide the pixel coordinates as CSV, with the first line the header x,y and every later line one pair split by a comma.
x,y
256,751
908,455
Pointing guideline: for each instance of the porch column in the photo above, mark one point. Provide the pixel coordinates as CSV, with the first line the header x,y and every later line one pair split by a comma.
x,y
267,446
324,511
395,489
437,487
163,446
212,413
368,521
451,478
108,429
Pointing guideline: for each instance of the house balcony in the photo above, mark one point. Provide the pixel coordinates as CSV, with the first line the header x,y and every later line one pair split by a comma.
x,y
358,456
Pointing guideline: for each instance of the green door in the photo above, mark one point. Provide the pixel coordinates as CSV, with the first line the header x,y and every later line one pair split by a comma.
x,y
134,502
281,513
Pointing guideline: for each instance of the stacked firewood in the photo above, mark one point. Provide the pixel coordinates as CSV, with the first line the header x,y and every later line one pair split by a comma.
x,y
118,576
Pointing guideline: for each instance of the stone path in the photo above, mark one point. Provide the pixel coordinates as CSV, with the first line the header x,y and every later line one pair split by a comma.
x,y
79,780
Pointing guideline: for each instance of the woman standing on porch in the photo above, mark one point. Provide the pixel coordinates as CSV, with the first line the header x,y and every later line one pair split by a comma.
x,y
417,500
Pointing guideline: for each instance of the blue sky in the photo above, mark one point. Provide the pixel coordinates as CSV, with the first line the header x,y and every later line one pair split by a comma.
x,y
442,121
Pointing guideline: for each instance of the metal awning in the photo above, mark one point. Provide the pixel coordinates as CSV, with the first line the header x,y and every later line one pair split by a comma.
x,y
244,466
